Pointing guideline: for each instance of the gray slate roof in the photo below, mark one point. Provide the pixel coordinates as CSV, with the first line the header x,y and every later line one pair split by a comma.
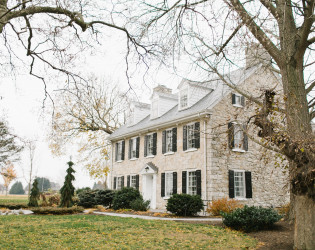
x,y
205,104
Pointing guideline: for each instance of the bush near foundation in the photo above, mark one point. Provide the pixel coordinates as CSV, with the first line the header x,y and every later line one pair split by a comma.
x,y
140,205
252,218
105,197
184,204
87,198
223,205
124,197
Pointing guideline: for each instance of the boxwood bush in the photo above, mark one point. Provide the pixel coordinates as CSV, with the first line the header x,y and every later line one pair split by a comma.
x,y
140,205
91,198
124,197
252,218
184,204
104,197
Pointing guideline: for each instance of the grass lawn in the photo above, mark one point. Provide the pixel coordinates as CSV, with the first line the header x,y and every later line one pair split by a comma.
x,y
16,199
99,232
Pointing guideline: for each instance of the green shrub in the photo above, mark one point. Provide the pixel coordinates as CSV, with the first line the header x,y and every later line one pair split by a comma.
x,y
124,197
140,205
184,204
82,190
13,206
249,219
87,198
54,200
104,197
57,210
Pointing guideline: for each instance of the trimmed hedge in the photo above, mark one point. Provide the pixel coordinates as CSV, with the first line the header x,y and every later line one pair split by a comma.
x,y
13,206
57,210
184,204
124,197
252,218
91,198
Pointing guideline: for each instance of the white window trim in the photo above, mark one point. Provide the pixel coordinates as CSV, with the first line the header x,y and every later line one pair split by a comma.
x,y
236,104
151,155
134,158
187,180
120,176
189,149
168,152
180,96
244,191
168,172
119,143
131,179
238,149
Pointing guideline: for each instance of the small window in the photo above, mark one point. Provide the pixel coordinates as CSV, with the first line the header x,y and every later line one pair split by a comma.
x,y
183,101
134,148
169,140
168,184
120,151
238,100
118,182
133,181
192,183
239,184
150,144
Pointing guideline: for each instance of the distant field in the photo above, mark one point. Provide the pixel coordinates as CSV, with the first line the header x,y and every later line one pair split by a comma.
x,y
106,232
16,199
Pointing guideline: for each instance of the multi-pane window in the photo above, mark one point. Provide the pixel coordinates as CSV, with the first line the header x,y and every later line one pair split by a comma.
x,y
168,184
238,137
119,182
150,144
133,148
238,100
120,147
239,184
169,140
192,183
183,98
133,181
190,136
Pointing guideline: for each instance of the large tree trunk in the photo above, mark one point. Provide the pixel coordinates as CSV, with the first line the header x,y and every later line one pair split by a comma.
x,y
304,231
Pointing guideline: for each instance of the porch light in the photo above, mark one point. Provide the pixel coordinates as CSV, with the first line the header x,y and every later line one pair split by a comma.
x,y
146,169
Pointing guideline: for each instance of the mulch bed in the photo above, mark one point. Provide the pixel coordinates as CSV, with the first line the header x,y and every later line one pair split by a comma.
x,y
280,237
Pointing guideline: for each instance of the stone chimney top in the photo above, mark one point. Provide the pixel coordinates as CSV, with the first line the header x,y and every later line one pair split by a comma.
x,y
162,89
256,54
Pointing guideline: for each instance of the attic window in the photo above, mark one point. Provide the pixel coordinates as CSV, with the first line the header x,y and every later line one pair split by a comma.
x,y
183,101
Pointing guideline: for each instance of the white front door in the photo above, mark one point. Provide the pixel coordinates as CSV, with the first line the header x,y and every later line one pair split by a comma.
x,y
149,189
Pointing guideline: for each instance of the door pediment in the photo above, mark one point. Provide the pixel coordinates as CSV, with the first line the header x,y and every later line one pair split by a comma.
x,y
149,168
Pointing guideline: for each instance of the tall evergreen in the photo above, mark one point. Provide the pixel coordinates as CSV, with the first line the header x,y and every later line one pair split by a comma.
x,y
67,190
17,188
34,196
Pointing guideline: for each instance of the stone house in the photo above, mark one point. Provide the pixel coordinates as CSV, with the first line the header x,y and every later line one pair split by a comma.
x,y
194,142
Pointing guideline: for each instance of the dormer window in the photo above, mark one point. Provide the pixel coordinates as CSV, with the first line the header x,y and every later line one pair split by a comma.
x,y
183,101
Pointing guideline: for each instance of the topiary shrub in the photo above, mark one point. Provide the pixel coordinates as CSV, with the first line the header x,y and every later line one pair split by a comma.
x,y
223,205
140,205
124,197
87,198
104,197
252,218
184,204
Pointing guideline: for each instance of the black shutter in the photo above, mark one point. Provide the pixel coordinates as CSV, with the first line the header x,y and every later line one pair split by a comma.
x,y
185,138
184,182
122,181
123,151
231,135
116,151
129,151
248,184
137,182
233,98
243,101
231,184
174,139
145,145
128,180
162,184
115,181
197,135
198,175
245,138
137,147
164,142
174,182
154,143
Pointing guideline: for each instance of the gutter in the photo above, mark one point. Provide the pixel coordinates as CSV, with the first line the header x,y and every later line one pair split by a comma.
x,y
158,126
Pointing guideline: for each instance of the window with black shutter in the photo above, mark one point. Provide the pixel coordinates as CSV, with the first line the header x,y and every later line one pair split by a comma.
x,y
145,146
237,138
184,182
198,176
238,100
174,182
128,180
184,137
162,184
154,143
138,147
115,183
197,135
137,182
231,135
164,142
116,151
174,139
123,151
130,148
245,138
231,183
240,184
248,184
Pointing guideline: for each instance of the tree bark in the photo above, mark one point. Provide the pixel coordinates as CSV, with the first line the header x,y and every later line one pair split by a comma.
x,y
304,232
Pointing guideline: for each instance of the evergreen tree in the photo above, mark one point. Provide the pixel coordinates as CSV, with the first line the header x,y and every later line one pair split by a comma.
x,y
34,197
17,188
43,184
67,190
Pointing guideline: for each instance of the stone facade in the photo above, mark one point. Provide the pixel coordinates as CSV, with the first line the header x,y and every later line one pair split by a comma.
x,y
214,158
